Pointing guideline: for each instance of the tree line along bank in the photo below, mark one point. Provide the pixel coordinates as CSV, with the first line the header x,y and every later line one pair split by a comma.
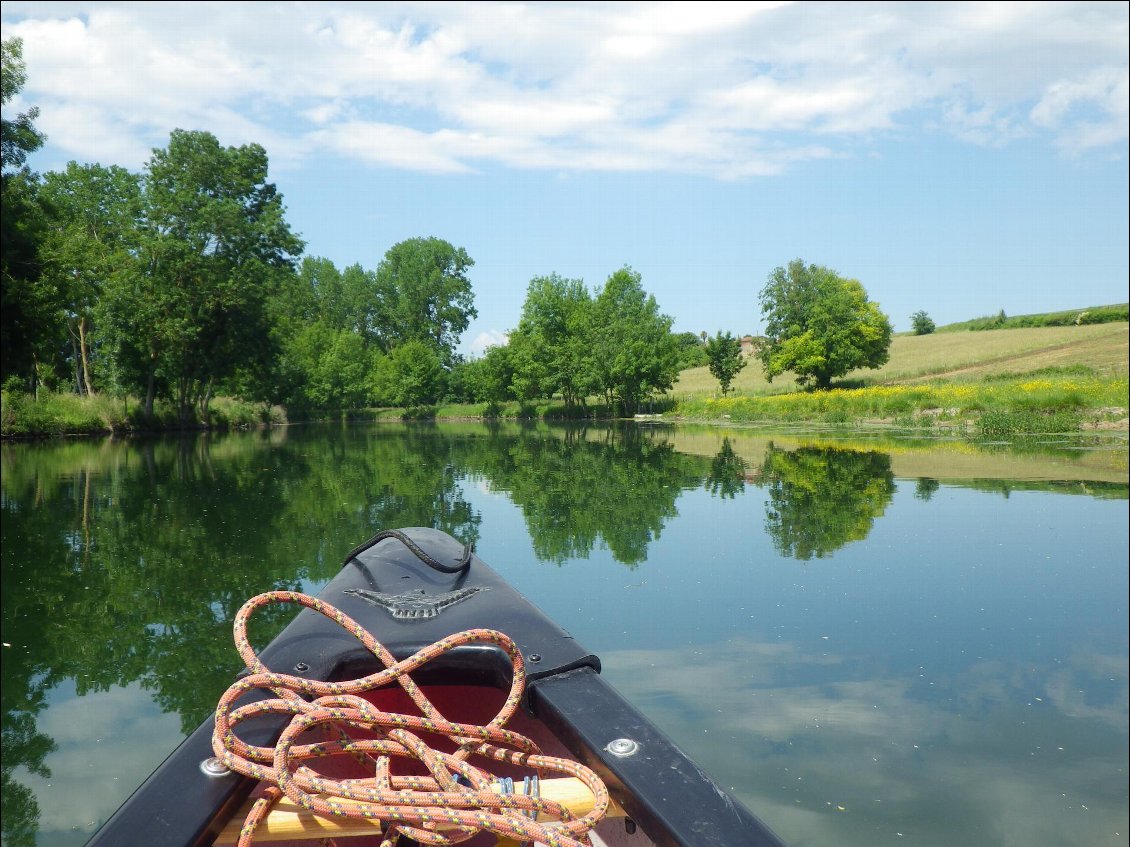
x,y
185,282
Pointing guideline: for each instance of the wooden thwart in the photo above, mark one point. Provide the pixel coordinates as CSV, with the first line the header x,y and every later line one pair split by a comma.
x,y
288,822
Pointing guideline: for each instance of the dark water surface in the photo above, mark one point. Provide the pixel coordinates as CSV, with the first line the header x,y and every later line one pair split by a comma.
x,y
867,641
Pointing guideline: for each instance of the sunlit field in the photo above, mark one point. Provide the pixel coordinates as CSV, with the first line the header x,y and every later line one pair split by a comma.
x,y
1102,348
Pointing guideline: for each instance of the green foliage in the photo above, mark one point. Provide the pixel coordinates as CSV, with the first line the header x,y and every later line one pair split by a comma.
x,y
19,137
213,244
488,379
724,354
91,215
635,353
1115,313
922,323
424,295
30,315
410,376
67,413
325,328
336,366
692,350
551,350
1003,423
820,325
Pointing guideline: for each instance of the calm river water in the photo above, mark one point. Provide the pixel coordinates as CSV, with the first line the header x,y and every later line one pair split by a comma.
x,y
868,640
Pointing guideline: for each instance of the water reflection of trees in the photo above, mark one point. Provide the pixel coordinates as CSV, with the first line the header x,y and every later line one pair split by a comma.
x,y
726,477
821,498
119,562
926,487
578,487
122,559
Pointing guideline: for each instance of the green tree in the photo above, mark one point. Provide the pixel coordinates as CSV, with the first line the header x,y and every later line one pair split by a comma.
x,y
424,295
922,323
692,350
214,244
411,376
820,325
336,367
551,350
487,379
19,137
325,323
635,352
724,353
92,224
30,318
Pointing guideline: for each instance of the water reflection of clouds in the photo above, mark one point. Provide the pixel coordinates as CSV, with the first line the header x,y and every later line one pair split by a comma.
x,y
131,737
987,755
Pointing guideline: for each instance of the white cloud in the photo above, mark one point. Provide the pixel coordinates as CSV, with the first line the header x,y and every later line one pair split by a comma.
x,y
1103,95
485,340
723,89
85,786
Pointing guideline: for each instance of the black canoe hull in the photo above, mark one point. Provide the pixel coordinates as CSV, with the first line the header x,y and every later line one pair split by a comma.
x,y
660,788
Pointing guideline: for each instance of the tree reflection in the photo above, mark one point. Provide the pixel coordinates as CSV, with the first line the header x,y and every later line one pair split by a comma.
x,y
727,473
120,562
925,488
821,498
577,487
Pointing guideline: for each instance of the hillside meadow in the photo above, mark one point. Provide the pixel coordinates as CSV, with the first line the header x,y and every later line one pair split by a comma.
x,y
994,383
954,355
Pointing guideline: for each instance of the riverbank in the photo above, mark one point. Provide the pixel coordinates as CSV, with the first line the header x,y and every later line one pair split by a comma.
x,y
1052,400
987,384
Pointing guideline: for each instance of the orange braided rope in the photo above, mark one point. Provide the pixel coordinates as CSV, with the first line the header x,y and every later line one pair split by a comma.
x,y
432,810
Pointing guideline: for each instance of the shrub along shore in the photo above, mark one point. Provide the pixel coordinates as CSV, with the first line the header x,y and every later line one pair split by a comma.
x,y
991,384
1051,400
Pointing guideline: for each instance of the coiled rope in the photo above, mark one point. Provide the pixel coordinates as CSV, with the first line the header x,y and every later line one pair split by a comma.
x,y
451,805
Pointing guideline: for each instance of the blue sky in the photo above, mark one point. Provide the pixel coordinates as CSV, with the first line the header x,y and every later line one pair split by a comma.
x,y
960,158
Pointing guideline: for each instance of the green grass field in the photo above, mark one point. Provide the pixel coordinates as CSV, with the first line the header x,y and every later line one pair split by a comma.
x,y
953,356
994,383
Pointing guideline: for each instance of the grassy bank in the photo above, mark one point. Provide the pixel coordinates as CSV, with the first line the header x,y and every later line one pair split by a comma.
x,y
22,415
1052,400
992,383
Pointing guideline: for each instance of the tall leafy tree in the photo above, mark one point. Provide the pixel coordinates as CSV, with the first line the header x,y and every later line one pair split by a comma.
x,y
724,358
425,295
692,350
92,218
636,354
551,349
325,324
496,375
18,137
820,325
29,314
214,243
